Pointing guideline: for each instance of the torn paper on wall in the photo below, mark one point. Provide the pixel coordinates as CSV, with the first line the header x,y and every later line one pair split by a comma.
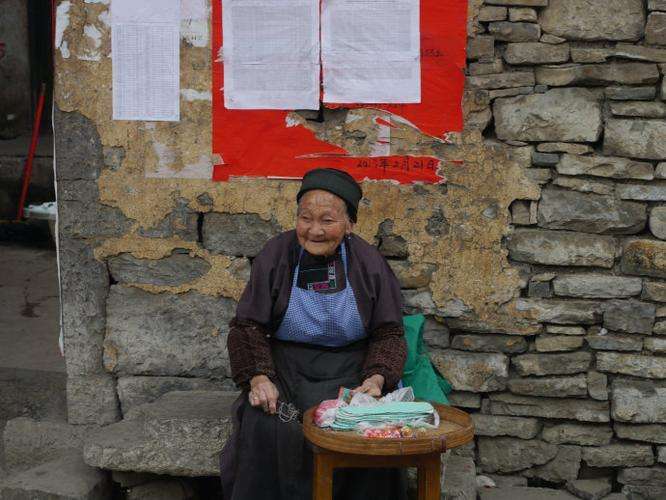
x,y
194,9
194,22
145,52
280,143
271,54
371,51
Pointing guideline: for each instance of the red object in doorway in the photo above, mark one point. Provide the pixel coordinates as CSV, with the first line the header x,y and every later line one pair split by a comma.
x,y
260,143
27,169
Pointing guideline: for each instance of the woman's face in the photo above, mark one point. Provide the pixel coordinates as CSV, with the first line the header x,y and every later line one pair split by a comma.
x,y
321,222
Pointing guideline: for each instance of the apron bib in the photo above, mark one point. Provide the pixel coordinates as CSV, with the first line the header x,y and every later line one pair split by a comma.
x,y
325,319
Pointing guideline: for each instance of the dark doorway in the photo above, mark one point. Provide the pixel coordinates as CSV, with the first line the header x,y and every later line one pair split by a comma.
x,y
26,63
40,28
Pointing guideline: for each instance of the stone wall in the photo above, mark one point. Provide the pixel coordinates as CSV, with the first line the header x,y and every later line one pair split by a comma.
x,y
576,86
539,261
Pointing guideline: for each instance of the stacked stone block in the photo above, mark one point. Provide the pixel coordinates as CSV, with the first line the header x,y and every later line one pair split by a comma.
x,y
578,86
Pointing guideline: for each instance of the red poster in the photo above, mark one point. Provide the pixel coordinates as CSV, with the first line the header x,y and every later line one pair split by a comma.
x,y
260,143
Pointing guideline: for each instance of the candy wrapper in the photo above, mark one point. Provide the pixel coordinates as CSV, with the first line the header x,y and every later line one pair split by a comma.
x,y
389,432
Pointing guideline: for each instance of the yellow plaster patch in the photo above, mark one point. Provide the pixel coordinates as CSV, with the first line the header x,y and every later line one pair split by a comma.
x,y
472,262
221,279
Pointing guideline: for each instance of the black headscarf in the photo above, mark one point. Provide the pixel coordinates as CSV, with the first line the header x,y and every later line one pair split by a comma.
x,y
336,182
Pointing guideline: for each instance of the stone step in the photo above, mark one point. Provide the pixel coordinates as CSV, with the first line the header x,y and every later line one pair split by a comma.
x,y
3,468
28,443
65,478
591,489
162,489
32,393
522,493
459,478
180,434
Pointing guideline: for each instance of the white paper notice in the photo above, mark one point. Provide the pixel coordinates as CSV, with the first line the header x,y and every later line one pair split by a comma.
x,y
194,22
145,42
371,51
194,9
271,54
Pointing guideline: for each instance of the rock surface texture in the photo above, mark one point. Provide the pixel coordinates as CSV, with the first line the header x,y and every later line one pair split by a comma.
x,y
539,261
180,434
65,478
592,20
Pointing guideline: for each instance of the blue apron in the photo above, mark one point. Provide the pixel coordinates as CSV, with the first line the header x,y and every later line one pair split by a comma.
x,y
326,319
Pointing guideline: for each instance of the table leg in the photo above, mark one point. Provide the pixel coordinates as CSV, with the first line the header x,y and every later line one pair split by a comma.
x,y
429,479
323,478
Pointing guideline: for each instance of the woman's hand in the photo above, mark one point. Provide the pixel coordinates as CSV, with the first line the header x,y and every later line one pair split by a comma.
x,y
263,393
372,385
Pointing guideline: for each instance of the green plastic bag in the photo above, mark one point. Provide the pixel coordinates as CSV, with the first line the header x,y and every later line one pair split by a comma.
x,y
419,373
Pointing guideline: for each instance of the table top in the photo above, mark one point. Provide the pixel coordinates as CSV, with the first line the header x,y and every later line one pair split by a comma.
x,y
455,429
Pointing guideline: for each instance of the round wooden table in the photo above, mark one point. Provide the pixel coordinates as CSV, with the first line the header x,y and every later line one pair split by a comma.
x,y
334,449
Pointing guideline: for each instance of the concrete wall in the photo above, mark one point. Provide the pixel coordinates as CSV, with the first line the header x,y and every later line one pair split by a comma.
x,y
540,262
14,69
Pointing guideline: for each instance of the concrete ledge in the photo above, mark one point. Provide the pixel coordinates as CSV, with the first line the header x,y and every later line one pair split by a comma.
x,y
516,492
66,478
32,393
28,442
180,434
459,478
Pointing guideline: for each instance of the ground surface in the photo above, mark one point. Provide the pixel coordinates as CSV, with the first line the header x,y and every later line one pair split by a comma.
x,y
29,309
21,145
29,318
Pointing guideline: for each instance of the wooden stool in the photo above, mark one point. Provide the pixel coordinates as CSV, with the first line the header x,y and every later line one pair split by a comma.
x,y
334,449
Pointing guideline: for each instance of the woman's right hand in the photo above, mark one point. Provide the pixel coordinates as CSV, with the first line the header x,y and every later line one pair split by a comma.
x,y
263,393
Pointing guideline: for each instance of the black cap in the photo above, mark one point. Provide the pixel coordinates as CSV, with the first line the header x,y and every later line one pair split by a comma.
x,y
334,181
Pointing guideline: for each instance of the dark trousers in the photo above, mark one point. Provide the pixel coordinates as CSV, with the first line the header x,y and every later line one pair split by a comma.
x,y
268,459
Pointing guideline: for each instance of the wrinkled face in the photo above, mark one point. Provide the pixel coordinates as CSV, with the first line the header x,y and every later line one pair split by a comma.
x,y
322,222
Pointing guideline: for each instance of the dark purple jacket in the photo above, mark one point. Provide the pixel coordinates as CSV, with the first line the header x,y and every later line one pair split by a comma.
x,y
266,297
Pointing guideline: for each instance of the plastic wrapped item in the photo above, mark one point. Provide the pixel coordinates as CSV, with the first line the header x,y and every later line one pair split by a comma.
x,y
363,399
405,394
345,394
395,413
325,413
396,410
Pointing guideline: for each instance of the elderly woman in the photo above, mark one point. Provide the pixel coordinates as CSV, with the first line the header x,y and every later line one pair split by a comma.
x,y
322,310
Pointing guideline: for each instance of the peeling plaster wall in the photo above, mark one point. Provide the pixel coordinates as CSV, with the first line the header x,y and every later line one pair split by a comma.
x,y
173,149
133,195
539,261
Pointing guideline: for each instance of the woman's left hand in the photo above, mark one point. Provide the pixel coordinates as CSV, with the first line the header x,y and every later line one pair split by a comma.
x,y
372,386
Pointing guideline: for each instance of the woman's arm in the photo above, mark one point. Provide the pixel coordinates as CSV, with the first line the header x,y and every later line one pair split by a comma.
x,y
387,352
248,344
379,299
249,331
249,352
252,364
